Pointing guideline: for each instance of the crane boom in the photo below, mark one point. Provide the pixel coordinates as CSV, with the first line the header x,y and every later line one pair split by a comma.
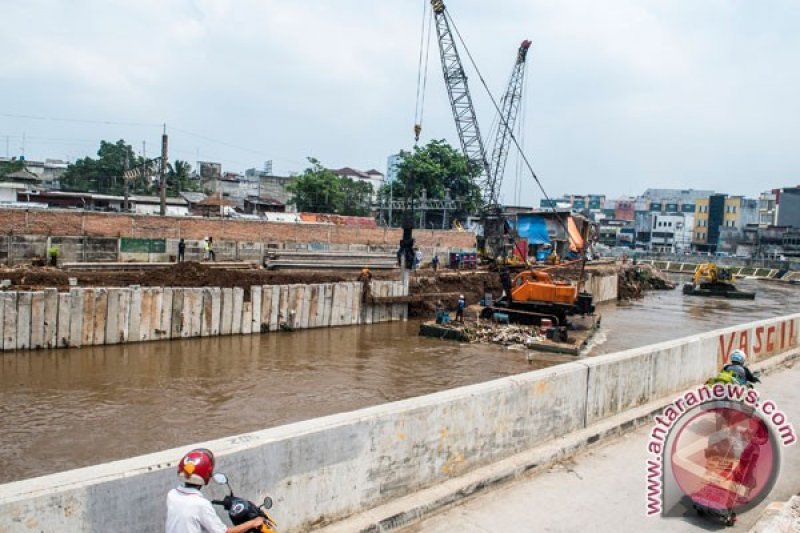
x,y
509,108
460,99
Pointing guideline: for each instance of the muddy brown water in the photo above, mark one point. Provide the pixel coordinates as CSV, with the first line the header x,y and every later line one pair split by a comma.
x,y
65,409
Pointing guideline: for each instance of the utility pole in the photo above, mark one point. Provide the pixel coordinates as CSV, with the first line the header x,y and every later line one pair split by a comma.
x,y
126,183
163,176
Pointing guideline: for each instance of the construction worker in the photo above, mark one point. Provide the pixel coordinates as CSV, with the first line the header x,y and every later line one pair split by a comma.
x,y
435,263
210,255
181,250
365,277
460,306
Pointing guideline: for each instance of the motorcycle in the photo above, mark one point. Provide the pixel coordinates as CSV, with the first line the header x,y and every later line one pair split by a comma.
x,y
241,510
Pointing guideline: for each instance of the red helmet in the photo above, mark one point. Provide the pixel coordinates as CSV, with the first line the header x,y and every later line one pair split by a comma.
x,y
196,467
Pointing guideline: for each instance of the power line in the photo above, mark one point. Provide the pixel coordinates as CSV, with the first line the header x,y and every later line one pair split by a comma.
x,y
80,120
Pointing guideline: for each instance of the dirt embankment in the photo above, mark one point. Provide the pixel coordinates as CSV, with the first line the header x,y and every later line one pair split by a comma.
x,y
189,274
446,287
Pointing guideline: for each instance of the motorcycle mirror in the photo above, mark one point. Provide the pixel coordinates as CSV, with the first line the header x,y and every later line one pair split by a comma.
x,y
267,502
220,478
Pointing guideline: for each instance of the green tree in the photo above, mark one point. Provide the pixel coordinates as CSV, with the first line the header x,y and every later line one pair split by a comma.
x,y
179,178
105,174
317,190
438,169
357,197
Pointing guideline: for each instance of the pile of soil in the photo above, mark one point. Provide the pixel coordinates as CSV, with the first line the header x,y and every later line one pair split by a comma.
x,y
189,274
635,279
472,284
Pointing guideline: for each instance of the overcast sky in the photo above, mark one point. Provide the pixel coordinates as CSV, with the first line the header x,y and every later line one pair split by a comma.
x,y
622,95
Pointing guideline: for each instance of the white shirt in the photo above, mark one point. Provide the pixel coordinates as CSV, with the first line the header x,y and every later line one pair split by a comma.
x,y
189,512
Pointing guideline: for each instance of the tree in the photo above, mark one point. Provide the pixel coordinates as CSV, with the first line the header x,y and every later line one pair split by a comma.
x,y
316,190
179,178
438,169
105,174
357,197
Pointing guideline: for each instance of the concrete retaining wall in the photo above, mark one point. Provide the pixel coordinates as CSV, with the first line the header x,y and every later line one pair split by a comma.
x,y
96,316
22,249
327,468
603,288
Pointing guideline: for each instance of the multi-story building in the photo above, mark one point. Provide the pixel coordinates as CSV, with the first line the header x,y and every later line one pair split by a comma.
x,y
667,233
252,186
624,209
373,177
788,207
577,202
719,211
708,216
674,200
767,204
392,167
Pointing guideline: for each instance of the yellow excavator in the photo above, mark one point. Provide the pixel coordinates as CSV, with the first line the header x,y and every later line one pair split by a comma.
x,y
711,280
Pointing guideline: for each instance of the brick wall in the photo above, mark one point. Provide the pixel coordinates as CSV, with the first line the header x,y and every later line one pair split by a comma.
x,y
64,222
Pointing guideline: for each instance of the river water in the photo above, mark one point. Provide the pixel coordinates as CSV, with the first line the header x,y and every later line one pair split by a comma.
x,y
65,409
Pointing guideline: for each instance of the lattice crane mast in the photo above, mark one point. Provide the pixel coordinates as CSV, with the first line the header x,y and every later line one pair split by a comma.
x,y
509,109
495,228
460,99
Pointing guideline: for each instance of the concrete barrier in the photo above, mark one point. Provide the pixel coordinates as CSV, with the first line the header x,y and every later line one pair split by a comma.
x,y
327,467
624,380
92,317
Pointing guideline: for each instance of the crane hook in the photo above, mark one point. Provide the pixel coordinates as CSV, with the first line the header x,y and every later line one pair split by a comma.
x,y
417,131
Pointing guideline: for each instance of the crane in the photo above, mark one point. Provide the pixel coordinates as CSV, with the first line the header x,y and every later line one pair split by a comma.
x,y
495,227
509,109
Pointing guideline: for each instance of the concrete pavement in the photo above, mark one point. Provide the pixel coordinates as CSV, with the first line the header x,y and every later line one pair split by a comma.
x,y
603,489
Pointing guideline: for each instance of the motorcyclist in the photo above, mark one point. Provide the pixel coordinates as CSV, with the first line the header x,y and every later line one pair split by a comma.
x,y
738,368
187,510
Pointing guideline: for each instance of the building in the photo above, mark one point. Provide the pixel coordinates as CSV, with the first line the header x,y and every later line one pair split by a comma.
x,y
624,209
151,205
393,167
720,211
608,232
47,172
576,202
708,217
373,177
255,205
767,208
674,200
663,233
788,207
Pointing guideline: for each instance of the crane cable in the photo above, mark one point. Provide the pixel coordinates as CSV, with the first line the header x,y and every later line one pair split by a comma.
x,y
505,124
422,69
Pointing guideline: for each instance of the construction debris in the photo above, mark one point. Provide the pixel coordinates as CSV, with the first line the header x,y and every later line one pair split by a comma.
x,y
635,279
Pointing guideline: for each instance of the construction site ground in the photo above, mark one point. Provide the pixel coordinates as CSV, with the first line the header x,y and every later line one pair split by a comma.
x,y
426,286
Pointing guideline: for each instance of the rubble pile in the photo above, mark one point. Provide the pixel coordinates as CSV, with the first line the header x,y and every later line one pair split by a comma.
x,y
510,335
635,279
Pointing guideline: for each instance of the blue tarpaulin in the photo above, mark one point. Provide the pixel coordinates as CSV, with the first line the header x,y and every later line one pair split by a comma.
x,y
533,228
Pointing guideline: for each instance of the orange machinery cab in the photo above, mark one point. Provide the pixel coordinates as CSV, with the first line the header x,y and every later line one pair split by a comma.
x,y
530,286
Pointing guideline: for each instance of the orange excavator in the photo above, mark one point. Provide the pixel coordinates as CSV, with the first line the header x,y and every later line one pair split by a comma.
x,y
533,295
